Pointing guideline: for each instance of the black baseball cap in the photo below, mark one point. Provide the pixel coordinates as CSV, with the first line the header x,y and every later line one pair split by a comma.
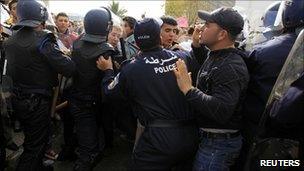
x,y
227,18
147,33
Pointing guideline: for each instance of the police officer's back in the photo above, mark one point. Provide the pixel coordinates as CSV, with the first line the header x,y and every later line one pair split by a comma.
x,y
265,63
34,61
85,93
170,136
86,51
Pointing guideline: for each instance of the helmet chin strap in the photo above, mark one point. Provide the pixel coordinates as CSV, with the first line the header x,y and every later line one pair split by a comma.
x,y
110,23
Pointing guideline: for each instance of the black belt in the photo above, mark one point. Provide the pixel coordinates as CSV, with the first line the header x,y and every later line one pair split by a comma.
x,y
220,135
171,123
19,91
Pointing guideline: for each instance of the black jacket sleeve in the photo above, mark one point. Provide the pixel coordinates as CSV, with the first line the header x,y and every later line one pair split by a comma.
x,y
226,91
200,53
60,62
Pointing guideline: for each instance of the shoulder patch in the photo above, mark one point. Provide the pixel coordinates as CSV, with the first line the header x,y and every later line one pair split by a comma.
x,y
114,83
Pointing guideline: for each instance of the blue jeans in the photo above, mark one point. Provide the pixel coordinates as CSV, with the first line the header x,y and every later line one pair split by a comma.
x,y
217,154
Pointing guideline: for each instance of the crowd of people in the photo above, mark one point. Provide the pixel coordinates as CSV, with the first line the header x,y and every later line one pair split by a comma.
x,y
189,99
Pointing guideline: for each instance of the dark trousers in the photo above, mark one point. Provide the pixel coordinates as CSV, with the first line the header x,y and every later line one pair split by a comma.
x,y
2,145
165,149
33,111
107,119
70,139
126,120
88,134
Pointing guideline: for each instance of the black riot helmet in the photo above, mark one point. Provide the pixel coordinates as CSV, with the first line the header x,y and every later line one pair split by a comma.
x,y
270,14
97,24
30,13
291,14
269,18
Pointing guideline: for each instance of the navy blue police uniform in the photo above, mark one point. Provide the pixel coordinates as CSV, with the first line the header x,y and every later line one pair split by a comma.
x,y
170,137
264,67
265,63
287,115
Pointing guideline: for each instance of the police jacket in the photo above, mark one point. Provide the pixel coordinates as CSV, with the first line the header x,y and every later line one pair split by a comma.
x,y
220,87
34,60
149,84
287,119
264,65
87,78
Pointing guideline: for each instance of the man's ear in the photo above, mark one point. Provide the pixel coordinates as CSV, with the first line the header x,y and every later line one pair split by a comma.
x,y
222,35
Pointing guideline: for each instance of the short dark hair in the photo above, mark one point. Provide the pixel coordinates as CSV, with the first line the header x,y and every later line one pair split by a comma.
x,y
177,31
169,20
61,14
190,30
130,20
232,37
10,4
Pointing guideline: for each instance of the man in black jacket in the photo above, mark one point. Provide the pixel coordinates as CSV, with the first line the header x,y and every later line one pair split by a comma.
x,y
33,62
220,88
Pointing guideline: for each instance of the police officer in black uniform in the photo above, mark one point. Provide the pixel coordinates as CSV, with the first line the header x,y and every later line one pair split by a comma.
x,y
85,94
2,137
287,119
2,146
34,60
170,137
265,63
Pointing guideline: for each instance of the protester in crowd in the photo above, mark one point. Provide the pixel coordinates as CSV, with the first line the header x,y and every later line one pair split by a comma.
x,y
220,88
66,36
169,33
13,15
129,43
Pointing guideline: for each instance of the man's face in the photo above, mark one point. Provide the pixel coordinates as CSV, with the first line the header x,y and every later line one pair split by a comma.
x,y
127,30
210,34
168,34
13,10
114,36
62,23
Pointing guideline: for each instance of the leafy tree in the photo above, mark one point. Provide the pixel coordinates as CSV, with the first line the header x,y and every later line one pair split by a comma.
x,y
186,8
114,7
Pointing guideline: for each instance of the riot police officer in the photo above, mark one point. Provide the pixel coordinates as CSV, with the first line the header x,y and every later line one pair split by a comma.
x,y
33,62
264,65
170,137
85,94
268,21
